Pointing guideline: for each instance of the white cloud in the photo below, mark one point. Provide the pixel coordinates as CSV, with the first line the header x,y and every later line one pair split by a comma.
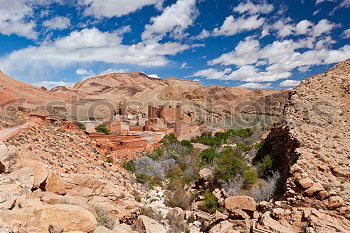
x,y
212,73
346,34
51,84
83,72
113,70
175,19
204,34
256,85
89,45
290,83
285,27
324,26
118,8
184,65
246,52
13,19
303,27
232,26
254,8
58,22
153,76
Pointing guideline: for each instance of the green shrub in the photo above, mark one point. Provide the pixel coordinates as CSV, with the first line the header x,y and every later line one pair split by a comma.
x,y
229,163
209,203
187,144
109,160
244,133
81,126
170,138
102,129
250,176
130,166
208,155
157,153
148,180
265,165
244,147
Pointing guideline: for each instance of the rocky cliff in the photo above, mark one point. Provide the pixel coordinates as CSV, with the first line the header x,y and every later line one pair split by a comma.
x,y
311,149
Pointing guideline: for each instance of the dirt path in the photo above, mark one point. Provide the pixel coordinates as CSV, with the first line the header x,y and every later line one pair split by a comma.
x,y
6,133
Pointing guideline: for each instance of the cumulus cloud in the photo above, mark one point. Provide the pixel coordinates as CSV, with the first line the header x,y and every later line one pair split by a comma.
x,y
57,23
285,27
212,73
153,76
51,84
254,8
232,26
346,34
256,85
13,19
118,8
290,83
83,72
275,61
175,19
90,45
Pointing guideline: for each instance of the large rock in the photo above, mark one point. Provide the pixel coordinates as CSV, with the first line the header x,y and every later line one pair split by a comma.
x,y
7,154
145,224
119,228
36,217
240,202
55,184
206,174
39,170
224,226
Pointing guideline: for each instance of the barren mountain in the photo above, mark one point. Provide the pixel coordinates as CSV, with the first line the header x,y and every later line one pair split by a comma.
x,y
135,91
14,92
311,148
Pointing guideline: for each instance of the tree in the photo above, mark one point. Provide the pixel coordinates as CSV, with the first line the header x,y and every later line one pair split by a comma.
x,y
102,129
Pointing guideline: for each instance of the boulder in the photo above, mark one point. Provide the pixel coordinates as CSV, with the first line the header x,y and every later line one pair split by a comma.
x,y
206,174
335,202
120,228
240,202
145,224
69,217
55,229
40,217
305,182
224,226
314,189
55,184
7,154
39,170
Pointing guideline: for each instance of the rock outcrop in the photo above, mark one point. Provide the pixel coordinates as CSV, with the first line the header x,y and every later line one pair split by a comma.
x,y
311,149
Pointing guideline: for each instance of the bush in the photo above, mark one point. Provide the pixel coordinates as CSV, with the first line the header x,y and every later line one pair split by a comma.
x,y
130,166
81,126
208,155
148,180
244,147
229,163
187,144
209,203
102,129
104,218
170,138
109,160
266,191
233,186
250,176
265,166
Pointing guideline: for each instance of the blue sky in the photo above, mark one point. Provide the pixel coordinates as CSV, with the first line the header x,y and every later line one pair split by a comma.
x,y
253,44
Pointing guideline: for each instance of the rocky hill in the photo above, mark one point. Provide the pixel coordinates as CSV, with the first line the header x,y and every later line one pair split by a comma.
x,y
311,148
55,179
135,91
13,92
